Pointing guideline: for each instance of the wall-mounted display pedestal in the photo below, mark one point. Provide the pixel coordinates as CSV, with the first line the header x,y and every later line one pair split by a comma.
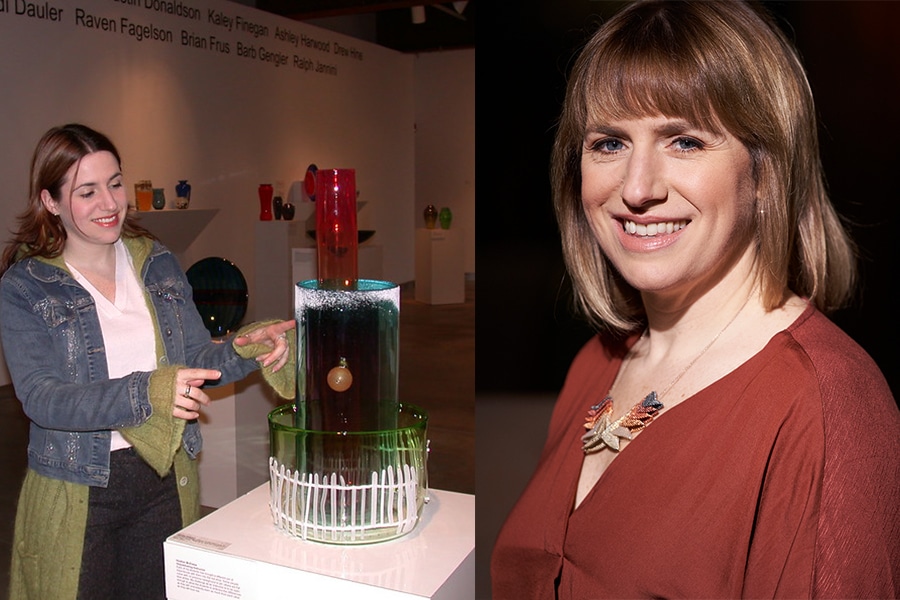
x,y
237,552
176,229
440,274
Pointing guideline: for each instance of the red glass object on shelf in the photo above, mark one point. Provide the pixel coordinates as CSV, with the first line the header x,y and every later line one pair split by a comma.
x,y
265,202
336,229
309,182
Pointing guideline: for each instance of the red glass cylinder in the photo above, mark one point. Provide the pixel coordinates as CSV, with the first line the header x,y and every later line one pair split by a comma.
x,y
265,202
336,229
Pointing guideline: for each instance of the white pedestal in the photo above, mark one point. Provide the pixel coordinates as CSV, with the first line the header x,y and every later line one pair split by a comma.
x,y
440,273
235,456
219,458
237,553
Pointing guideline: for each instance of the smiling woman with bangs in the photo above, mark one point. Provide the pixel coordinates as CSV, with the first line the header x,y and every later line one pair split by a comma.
x,y
109,359
706,442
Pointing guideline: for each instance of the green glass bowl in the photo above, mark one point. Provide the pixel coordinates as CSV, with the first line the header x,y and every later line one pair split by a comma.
x,y
350,487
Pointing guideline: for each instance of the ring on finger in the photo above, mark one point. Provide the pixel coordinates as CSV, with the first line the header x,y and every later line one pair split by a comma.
x,y
187,392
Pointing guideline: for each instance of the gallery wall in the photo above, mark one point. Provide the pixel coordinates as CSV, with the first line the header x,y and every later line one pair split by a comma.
x,y
226,97
445,141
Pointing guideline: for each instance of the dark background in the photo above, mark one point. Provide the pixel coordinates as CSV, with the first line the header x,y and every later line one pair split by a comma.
x,y
527,335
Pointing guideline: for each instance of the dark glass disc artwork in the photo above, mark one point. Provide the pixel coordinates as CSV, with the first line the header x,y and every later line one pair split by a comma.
x,y
220,294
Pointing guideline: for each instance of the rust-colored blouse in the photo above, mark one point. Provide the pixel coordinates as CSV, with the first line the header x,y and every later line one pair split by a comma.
x,y
781,479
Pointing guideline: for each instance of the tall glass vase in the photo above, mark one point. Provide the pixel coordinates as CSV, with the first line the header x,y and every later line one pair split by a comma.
x,y
336,229
265,202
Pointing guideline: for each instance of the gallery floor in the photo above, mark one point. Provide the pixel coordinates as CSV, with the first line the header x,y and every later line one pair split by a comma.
x,y
437,372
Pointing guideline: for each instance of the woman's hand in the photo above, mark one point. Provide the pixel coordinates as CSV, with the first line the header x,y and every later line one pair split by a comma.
x,y
273,336
189,397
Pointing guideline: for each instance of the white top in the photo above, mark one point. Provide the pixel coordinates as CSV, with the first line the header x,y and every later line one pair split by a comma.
x,y
126,325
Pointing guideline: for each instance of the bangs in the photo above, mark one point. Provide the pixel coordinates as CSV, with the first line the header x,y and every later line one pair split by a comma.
x,y
630,91
671,65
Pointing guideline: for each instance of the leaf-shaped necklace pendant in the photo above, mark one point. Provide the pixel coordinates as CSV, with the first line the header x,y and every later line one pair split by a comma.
x,y
603,434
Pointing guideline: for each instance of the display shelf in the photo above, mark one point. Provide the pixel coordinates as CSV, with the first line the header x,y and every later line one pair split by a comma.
x,y
176,228
237,552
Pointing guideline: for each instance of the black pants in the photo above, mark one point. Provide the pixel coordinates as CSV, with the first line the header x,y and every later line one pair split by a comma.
x,y
128,521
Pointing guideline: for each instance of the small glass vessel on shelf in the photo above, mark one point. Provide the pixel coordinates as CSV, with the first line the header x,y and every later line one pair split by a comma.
x,y
431,216
182,194
265,192
159,198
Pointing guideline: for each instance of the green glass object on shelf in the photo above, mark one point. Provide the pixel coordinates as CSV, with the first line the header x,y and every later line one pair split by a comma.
x,y
445,217
159,198
431,215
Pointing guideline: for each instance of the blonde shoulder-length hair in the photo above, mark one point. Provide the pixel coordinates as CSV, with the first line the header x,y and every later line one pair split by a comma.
x,y
716,64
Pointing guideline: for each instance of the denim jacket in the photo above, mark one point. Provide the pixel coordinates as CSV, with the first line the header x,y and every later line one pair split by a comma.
x,y
55,352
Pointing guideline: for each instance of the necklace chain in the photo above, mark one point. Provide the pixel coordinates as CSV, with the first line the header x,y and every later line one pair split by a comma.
x,y
603,433
707,347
